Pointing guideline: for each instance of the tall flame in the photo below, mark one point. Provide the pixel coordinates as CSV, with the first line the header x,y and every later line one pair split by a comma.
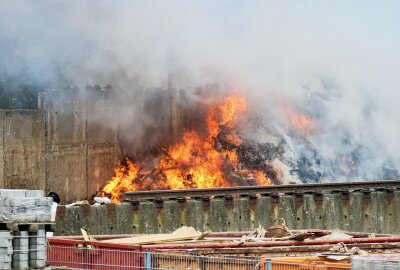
x,y
195,162
125,173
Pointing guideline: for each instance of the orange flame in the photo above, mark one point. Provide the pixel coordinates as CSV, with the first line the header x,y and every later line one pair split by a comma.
x,y
301,122
125,174
195,162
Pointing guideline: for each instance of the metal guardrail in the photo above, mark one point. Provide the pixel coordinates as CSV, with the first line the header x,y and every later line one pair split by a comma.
x,y
73,257
83,257
261,190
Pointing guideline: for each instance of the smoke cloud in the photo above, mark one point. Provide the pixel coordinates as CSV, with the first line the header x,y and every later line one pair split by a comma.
x,y
334,62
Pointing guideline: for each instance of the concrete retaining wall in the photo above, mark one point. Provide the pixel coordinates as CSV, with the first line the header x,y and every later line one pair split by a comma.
x,y
22,146
377,212
81,149
61,146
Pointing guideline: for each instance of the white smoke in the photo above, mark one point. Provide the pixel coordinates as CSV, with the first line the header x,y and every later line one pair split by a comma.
x,y
334,61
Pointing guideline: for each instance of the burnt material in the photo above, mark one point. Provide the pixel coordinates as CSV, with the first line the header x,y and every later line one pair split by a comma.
x,y
254,155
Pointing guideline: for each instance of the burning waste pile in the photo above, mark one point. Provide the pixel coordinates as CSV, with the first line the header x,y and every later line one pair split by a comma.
x,y
221,148
215,157
216,154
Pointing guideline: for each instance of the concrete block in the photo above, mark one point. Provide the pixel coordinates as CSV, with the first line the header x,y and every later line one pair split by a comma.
x,y
34,193
124,215
299,222
43,217
19,257
231,223
332,215
21,248
345,202
20,265
312,217
5,258
33,248
287,210
37,246
217,219
169,217
396,212
89,219
37,240
37,255
263,212
22,202
12,193
71,222
41,233
356,211
111,218
5,242
373,212
43,201
19,235
148,218
193,215
6,250
5,265
241,215
21,209
376,262
37,263
21,242
102,220
389,220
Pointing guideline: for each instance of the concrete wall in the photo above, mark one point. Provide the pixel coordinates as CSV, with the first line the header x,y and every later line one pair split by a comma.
x,y
61,146
22,146
66,149
81,149
377,212
102,139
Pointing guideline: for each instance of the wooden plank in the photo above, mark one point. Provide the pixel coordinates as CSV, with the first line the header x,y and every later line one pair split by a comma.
x,y
86,237
183,233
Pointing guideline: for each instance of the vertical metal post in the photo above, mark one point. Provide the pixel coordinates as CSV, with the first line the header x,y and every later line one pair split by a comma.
x,y
147,260
268,265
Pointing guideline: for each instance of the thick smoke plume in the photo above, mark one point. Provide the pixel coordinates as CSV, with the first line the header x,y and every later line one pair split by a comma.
x,y
334,62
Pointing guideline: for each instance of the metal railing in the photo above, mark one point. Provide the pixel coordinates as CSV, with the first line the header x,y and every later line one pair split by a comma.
x,y
71,257
101,258
136,196
303,265
199,262
59,257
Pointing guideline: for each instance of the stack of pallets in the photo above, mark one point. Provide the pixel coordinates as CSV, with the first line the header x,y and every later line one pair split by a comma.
x,y
23,217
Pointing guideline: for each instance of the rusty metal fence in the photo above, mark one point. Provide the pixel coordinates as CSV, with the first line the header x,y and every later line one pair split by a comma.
x,y
60,257
70,257
199,262
271,265
102,258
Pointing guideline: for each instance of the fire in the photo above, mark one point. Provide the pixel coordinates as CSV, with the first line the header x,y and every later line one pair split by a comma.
x,y
197,161
301,122
125,174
